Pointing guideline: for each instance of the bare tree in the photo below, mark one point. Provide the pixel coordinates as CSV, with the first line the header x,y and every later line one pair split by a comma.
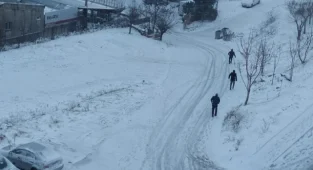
x,y
293,55
276,57
252,62
308,8
265,52
133,14
153,8
303,47
301,11
165,21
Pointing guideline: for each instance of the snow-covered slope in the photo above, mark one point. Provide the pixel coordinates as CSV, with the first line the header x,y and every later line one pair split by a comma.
x,y
275,132
109,100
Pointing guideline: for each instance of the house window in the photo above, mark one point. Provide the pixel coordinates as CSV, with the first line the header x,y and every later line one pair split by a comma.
x,y
8,26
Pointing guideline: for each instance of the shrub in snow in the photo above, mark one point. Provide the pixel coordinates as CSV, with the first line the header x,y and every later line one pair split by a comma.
x,y
270,19
12,120
238,143
72,106
85,108
233,120
54,120
265,126
2,137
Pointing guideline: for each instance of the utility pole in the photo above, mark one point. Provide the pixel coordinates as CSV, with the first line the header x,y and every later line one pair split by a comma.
x,y
86,3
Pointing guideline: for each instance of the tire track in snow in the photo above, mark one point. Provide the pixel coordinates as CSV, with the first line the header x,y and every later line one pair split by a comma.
x,y
290,135
158,140
197,162
168,149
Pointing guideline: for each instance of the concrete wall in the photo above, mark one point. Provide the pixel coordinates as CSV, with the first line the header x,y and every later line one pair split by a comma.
x,y
25,19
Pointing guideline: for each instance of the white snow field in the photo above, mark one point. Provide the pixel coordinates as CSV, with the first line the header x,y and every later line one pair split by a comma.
x,y
111,101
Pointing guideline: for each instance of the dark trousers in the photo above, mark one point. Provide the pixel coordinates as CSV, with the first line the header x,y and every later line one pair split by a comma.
x,y
232,84
214,110
230,60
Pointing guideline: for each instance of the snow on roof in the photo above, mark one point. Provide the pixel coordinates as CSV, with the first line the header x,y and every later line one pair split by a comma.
x,y
32,4
80,3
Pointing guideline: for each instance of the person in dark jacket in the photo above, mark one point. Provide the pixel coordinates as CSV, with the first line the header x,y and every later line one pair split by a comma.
x,y
233,77
215,100
231,54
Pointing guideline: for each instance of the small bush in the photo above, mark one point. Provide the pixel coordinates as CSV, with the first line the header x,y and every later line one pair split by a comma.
x,y
72,106
271,18
238,143
86,108
54,120
233,120
267,27
265,126
2,137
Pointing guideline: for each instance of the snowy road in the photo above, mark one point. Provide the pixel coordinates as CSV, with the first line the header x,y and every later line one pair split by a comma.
x,y
136,108
182,109
172,144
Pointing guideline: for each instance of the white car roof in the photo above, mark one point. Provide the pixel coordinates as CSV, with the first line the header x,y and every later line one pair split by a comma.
x,y
41,150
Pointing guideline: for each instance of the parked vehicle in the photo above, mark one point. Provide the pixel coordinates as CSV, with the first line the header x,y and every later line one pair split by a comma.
x,y
33,156
249,3
5,164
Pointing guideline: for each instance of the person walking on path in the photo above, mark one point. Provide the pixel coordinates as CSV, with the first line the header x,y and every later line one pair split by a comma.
x,y
233,77
231,54
215,100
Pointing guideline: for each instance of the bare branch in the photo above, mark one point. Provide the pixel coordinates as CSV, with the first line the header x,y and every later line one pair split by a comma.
x,y
276,56
252,61
133,14
240,72
293,54
304,45
301,11
165,21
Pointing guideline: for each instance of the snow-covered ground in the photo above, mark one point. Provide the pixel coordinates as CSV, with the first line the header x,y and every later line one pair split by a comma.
x,y
276,130
109,100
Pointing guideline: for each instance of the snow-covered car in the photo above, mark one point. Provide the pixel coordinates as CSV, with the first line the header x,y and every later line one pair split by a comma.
x,y
33,156
249,3
5,164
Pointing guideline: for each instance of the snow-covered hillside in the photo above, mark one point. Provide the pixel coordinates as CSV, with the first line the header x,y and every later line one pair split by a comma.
x,y
109,100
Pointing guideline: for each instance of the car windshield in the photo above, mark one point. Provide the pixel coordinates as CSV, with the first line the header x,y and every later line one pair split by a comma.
x,y
3,163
